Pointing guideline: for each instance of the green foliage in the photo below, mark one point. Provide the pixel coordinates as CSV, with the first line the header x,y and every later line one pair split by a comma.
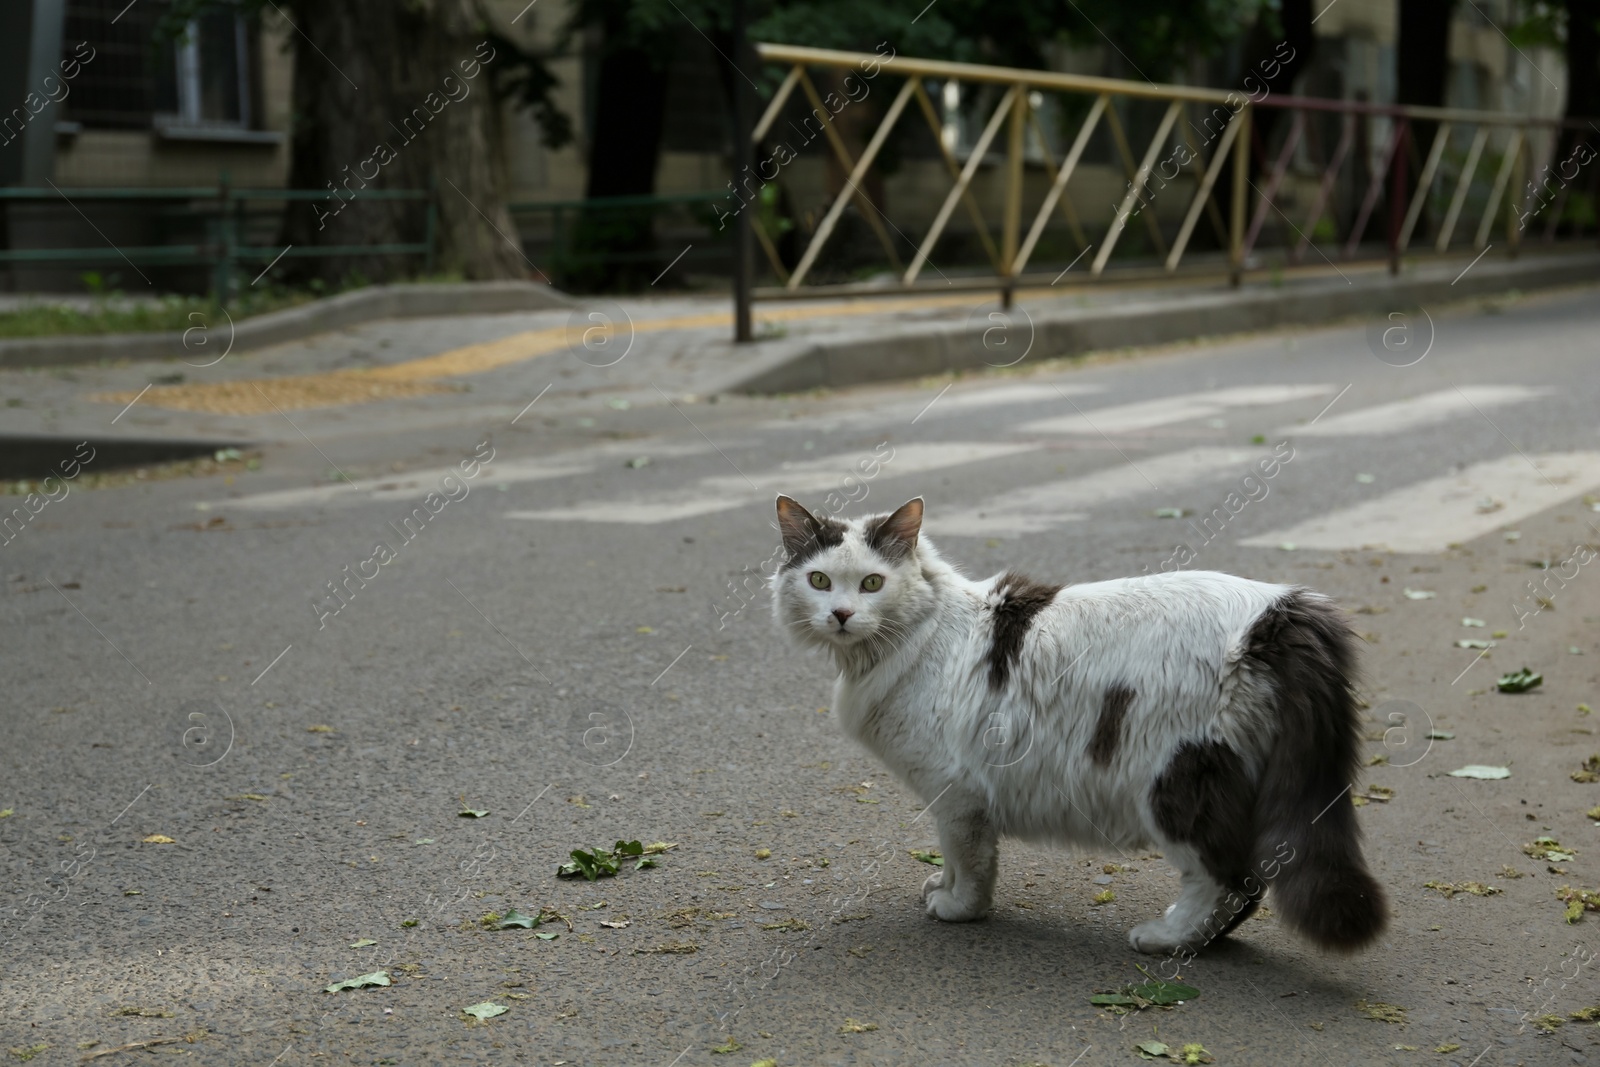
x,y
598,863
1152,37
1538,23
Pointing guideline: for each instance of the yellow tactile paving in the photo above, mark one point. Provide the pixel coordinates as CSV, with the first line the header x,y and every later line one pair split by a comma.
x,y
419,377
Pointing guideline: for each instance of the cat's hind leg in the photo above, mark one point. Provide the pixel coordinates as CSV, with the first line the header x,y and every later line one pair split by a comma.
x,y
964,890
1204,911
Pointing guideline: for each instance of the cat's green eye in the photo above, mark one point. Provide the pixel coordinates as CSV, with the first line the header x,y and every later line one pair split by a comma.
x,y
820,580
872,583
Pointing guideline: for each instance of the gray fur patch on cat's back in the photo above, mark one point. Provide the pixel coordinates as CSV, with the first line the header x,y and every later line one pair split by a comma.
x,y
1017,600
1107,737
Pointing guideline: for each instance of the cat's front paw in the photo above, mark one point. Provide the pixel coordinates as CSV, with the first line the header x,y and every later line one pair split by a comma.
x,y
946,907
1156,938
935,880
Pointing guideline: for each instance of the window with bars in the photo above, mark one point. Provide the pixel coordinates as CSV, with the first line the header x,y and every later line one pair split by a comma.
x,y
202,80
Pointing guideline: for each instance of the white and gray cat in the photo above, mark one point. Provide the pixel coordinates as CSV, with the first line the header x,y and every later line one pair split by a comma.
x,y
1207,715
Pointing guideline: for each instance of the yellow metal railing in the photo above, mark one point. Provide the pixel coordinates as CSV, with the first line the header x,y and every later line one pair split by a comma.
x,y
1017,114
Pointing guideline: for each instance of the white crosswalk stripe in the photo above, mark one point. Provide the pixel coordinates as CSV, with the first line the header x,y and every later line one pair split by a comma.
x,y
1041,507
1428,410
958,399
842,473
1146,414
413,484
1431,515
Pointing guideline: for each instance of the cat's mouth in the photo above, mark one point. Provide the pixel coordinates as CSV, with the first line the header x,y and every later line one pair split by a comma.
x,y
841,632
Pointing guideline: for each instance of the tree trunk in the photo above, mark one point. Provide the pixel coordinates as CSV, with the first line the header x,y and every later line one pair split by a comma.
x,y
395,96
1583,68
1270,67
614,248
1422,67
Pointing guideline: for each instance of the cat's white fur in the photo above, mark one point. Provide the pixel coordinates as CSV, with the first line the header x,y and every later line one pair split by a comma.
x,y
914,688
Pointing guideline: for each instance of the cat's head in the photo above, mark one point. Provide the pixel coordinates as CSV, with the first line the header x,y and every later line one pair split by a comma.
x,y
851,585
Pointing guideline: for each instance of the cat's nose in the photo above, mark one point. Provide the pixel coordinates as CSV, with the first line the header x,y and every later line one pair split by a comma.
x,y
842,614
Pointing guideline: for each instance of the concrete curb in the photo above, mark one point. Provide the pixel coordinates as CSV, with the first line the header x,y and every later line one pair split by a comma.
x,y
905,352
38,455
208,340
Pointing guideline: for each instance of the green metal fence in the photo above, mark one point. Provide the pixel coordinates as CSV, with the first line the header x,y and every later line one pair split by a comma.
x,y
223,211
581,238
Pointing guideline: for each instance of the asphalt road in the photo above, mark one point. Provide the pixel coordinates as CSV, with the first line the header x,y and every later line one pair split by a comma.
x,y
573,639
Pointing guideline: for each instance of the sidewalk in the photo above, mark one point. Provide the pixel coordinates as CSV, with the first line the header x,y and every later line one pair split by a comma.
x,y
381,376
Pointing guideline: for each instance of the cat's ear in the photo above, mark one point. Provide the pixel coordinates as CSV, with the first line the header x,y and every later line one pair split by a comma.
x,y
797,525
896,535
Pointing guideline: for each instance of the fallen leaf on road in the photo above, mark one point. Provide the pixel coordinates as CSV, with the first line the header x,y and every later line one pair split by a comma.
x,y
599,862
928,856
669,948
485,1010
788,925
6,813
616,924
472,813
1467,642
1589,772
1473,622
727,1047
1384,1013
1440,735
1105,896
158,839
1164,994
1419,594
1519,681
1548,848
1477,889
1449,1046
319,729
1594,813
1578,901
363,943
514,919
143,1013
1586,1015
852,1027
1478,770
547,937
375,978
1170,513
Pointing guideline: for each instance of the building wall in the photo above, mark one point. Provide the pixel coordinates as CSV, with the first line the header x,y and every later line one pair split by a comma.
x,y
95,156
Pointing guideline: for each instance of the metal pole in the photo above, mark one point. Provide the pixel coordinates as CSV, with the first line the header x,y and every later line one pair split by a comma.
x,y
1012,224
1397,193
742,162
1241,179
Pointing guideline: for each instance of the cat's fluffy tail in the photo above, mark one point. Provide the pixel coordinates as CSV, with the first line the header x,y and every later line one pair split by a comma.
x,y
1323,888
